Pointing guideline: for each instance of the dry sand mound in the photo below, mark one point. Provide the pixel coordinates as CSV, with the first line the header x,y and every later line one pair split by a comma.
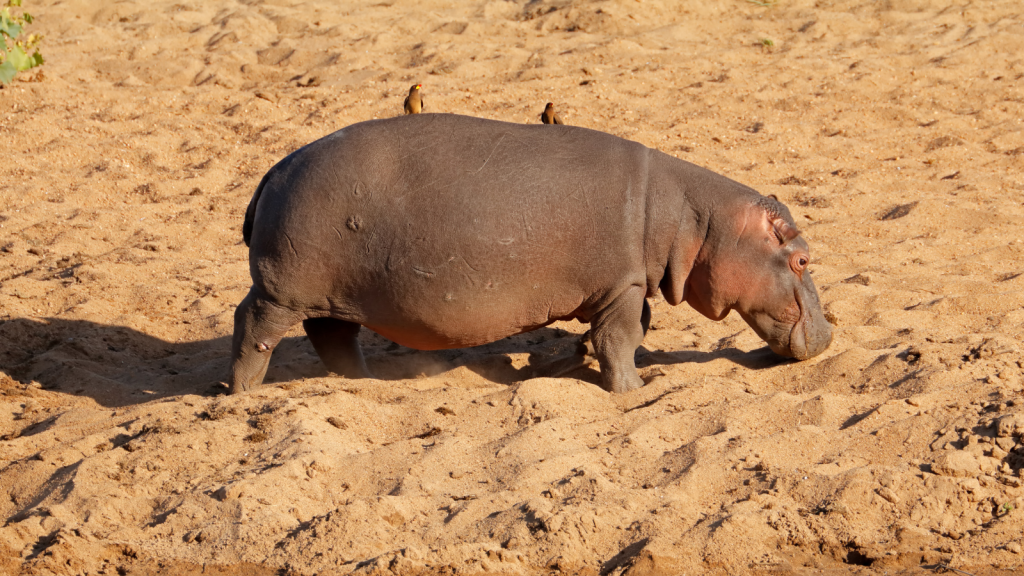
x,y
893,130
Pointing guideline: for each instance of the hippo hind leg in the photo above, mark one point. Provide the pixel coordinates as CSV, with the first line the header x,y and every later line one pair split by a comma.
x,y
259,327
337,344
616,334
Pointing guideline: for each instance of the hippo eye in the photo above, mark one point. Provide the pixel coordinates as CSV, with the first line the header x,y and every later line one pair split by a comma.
x,y
802,262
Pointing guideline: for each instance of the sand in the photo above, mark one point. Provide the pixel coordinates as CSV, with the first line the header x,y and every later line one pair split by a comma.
x,y
892,130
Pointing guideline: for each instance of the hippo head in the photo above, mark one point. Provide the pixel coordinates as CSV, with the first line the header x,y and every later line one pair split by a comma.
x,y
755,261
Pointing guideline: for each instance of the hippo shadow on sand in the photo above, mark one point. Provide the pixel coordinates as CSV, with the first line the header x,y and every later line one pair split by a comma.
x,y
119,366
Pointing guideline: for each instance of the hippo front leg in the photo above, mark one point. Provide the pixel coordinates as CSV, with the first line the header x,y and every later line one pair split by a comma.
x,y
259,327
584,353
616,333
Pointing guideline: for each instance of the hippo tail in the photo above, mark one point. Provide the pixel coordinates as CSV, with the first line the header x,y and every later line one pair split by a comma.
x,y
250,212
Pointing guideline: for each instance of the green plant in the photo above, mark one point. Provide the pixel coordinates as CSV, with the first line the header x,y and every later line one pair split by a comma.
x,y
1006,508
14,45
764,3
767,42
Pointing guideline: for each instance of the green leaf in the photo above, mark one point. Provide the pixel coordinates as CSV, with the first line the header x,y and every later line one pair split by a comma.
x,y
7,72
37,59
9,27
17,58
27,17
15,2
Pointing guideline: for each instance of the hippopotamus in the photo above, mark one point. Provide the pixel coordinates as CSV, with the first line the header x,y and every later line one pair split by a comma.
x,y
441,231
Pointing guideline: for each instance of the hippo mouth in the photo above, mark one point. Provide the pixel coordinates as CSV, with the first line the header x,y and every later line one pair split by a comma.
x,y
797,340
788,334
779,335
803,340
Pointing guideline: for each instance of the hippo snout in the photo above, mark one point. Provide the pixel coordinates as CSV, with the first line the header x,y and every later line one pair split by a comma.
x,y
815,340
802,337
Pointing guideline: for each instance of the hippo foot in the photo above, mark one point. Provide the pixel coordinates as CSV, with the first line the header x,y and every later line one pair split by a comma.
x,y
259,326
247,373
616,333
624,382
583,356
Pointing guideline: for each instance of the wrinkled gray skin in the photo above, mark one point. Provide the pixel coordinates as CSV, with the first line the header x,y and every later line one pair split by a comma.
x,y
443,231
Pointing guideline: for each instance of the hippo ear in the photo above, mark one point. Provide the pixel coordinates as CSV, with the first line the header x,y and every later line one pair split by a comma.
x,y
779,218
784,231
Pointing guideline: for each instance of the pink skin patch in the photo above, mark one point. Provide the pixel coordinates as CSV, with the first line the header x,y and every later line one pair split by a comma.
x,y
676,287
791,314
741,276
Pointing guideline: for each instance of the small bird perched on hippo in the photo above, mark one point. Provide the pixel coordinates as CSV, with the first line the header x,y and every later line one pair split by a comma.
x,y
502,229
414,101
548,116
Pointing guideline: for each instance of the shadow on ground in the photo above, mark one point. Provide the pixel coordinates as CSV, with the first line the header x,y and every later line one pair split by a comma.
x,y
119,366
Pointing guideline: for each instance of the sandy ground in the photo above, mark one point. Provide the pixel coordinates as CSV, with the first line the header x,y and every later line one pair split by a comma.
x,y
893,130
